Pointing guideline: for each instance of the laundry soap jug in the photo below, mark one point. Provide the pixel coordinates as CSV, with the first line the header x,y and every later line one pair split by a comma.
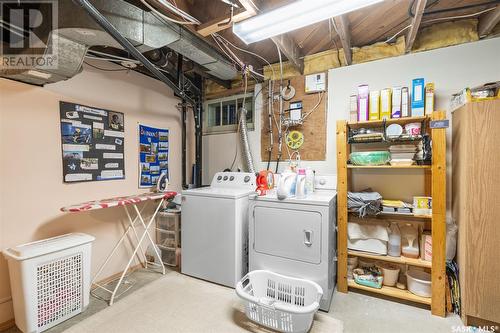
x,y
300,185
409,241
394,249
309,180
286,185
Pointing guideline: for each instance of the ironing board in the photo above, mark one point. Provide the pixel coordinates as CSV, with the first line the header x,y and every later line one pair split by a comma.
x,y
124,202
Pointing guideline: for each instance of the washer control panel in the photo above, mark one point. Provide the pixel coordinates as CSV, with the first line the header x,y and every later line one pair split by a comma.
x,y
234,179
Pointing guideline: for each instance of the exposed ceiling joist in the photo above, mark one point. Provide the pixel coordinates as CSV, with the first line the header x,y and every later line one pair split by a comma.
x,y
291,51
488,22
343,30
415,24
225,22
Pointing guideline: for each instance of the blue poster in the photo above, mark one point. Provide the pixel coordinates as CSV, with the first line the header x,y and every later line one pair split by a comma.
x,y
153,155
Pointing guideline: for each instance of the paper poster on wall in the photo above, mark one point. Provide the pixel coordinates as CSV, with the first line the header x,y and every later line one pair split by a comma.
x,y
153,154
90,149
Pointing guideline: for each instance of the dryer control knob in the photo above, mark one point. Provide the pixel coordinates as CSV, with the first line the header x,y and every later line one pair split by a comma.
x,y
322,181
246,179
219,178
231,178
225,178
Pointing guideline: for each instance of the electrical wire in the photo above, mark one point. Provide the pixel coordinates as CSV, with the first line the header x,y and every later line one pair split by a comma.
x,y
249,52
397,34
458,16
320,98
441,19
107,69
330,21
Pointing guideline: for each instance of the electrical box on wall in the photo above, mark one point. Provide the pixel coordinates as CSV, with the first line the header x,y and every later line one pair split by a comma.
x,y
315,83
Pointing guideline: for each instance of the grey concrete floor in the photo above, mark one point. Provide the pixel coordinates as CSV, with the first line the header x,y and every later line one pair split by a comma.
x,y
359,312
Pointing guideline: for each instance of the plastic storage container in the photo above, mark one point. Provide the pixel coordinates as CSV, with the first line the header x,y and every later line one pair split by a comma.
x,y
394,245
419,283
370,157
168,221
50,280
166,238
390,273
168,255
409,241
279,302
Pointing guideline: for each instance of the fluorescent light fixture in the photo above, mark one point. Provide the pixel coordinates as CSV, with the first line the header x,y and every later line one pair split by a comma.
x,y
38,74
294,16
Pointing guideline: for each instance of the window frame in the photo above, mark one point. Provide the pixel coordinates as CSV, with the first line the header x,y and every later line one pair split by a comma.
x,y
222,129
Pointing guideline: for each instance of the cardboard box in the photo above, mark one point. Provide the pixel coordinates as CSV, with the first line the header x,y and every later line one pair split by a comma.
x,y
426,246
363,101
405,102
386,103
353,108
429,98
374,105
418,98
396,103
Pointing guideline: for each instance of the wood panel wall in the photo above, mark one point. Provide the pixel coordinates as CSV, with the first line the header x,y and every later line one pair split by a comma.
x,y
314,128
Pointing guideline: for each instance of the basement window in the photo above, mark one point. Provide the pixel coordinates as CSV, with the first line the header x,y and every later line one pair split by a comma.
x,y
221,115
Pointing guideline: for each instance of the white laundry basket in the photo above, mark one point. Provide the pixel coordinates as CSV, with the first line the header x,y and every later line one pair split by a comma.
x,y
279,302
50,280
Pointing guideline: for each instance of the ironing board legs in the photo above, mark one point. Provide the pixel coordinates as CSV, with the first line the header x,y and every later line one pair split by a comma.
x,y
136,247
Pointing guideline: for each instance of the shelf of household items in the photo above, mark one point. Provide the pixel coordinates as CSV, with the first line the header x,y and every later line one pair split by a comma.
x,y
392,292
386,215
397,260
381,123
415,166
435,183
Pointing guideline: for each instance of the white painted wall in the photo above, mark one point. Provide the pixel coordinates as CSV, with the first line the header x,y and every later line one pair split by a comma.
x,y
451,69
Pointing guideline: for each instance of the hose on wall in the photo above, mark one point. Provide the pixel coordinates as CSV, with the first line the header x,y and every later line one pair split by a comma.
x,y
247,154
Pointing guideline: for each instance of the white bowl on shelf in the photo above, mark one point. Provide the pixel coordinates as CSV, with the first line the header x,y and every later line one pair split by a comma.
x,y
419,283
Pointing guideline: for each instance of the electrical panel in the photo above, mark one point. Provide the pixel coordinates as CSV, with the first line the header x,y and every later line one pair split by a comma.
x,y
315,83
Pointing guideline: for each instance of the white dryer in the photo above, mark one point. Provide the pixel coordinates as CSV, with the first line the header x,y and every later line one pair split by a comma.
x,y
297,237
215,228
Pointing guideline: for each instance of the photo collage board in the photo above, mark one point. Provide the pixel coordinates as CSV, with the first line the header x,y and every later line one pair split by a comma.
x,y
92,143
153,155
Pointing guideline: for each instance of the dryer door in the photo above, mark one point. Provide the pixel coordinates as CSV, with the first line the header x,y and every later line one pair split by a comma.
x,y
287,233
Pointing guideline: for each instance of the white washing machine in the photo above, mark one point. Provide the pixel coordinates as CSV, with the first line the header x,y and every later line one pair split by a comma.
x,y
215,228
297,237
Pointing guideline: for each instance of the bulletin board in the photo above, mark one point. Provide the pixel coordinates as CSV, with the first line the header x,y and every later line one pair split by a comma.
x,y
92,143
153,154
314,128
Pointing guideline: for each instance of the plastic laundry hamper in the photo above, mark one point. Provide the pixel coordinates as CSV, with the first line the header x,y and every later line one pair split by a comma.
x,y
50,280
279,302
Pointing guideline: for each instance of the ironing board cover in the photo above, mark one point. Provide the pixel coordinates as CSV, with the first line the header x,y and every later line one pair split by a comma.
x,y
118,201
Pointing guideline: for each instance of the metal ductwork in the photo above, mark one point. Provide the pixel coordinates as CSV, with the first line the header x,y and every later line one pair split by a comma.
x,y
77,32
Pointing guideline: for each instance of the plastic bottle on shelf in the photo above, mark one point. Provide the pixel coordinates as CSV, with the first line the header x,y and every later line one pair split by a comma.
x,y
309,180
300,190
394,249
409,239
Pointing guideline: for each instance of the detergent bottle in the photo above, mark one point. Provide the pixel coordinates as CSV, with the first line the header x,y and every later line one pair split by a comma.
x,y
286,185
300,186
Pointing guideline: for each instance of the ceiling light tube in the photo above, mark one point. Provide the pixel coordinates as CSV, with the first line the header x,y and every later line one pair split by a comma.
x,y
294,16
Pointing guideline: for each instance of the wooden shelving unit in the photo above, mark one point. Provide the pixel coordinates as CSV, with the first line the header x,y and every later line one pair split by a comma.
x,y
434,178
392,292
350,166
397,260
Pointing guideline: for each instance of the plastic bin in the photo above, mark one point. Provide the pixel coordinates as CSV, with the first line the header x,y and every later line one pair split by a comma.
x,y
279,302
168,255
166,238
50,280
169,221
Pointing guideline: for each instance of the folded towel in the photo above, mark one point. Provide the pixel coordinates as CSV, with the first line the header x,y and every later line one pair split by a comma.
x,y
367,231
